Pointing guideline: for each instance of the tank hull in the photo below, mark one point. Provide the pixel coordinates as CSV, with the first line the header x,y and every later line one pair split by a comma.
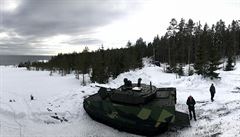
x,y
125,122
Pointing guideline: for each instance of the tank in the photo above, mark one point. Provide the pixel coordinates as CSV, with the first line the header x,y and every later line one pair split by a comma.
x,y
136,108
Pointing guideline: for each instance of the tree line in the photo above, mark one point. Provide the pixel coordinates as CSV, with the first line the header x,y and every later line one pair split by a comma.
x,y
202,47
101,64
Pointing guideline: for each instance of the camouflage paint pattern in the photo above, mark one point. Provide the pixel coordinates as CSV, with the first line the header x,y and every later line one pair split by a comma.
x,y
153,115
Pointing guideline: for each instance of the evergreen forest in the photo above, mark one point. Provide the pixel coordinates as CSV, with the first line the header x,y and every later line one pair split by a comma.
x,y
201,47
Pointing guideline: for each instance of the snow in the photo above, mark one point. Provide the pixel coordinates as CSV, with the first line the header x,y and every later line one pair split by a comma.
x,y
62,97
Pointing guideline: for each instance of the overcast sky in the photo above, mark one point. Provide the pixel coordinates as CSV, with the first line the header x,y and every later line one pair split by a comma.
x,y
48,27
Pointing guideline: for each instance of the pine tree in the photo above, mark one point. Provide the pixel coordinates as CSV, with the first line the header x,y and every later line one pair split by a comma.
x,y
219,35
99,68
170,43
200,61
189,31
180,42
214,61
201,52
85,64
171,30
235,41
155,44
229,66
129,44
213,65
140,49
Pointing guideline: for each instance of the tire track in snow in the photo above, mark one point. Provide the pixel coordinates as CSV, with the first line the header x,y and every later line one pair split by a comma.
x,y
15,120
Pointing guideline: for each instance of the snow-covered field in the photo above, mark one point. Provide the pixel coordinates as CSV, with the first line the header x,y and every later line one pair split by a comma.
x,y
62,97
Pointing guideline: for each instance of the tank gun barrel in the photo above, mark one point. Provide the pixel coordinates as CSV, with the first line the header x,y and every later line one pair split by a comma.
x,y
99,86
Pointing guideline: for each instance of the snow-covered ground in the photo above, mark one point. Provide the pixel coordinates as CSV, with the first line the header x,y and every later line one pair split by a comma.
x,y
62,97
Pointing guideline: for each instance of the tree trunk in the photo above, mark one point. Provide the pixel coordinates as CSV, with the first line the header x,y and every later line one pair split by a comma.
x,y
83,80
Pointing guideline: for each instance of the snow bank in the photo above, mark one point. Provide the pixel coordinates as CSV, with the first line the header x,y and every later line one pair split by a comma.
x,y
57,109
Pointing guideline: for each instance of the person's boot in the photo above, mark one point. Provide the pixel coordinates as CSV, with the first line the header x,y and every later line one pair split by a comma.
x,y
195,118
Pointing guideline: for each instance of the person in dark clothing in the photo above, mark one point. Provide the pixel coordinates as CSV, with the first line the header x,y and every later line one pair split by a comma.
x,y
191,102
139,82
127,84
125,80
212,92
31,97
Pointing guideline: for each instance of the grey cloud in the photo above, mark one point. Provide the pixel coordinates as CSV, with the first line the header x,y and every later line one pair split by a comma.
x,y
50,17
34,20
15,45
22,49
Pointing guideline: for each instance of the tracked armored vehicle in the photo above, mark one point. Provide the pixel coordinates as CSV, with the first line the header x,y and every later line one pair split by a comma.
x,y
136,108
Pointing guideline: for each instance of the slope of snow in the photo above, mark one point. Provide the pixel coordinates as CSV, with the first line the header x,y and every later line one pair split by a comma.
x,y
62,97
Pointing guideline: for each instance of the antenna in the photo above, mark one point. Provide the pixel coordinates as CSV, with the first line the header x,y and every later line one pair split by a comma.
x,y
150,85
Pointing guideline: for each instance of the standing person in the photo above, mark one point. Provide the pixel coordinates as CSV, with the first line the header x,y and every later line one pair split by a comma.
x,y
139,82
212,91
191,102
31,97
